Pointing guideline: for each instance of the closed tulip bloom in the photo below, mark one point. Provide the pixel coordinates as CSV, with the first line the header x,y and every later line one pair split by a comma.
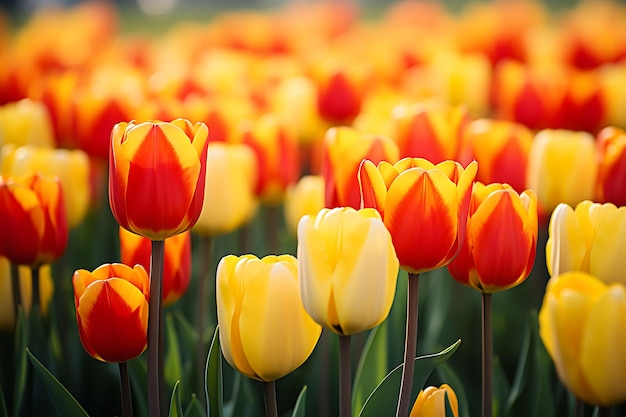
x,y
306,197
112,311
72,167
589,238
343,150
581,323
611,143
137,249
231,176
348,269
561,168
32,219
157,176
265,332
501,149
424,206
7,308
26,122
431,402
500,240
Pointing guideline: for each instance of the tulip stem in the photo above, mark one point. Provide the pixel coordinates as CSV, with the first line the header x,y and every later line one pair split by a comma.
x,y
154,329
269,394
15,287
579,410
410,344
127,401
487,355
201,298
604,411
35,296
345,377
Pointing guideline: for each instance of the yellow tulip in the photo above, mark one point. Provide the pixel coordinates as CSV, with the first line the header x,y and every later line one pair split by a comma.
x,y
589,238
229,196
305,197
26,122
562,168
348,269
7,309
265,332
581,324
70,166
430,402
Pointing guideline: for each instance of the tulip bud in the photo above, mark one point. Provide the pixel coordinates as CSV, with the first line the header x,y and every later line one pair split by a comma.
x,y
26,122
348,269
306,197
265,332
112,311
431,402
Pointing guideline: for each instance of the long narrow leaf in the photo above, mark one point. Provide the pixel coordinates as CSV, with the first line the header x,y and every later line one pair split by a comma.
x,y
172,368
299,410
3,405
64,403
380,403
214,390
176,408
194,409
372,366
21,363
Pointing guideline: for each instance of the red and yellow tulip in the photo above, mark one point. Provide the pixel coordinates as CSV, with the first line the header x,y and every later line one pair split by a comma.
x,y
611,142
137,249
348,269
500,242
112,311
157,176
32,219
424,206
265,332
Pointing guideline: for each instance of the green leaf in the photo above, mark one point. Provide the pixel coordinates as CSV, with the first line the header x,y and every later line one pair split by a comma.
x,y
299,410
501,388
3,405
214,390
64,403
176,408
194,409
448,376
531,392
21,363
380,403
372,366
172,368
449,412
138,373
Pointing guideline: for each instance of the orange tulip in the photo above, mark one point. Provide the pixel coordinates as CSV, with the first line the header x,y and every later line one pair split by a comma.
x,y
344,149
137,249
501,149
500,242
611,144
424,206
157,176
112,311
32,219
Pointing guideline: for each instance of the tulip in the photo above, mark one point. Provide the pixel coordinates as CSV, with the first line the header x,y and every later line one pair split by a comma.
x,y
561,168
265,332
581,324
589,238
431,402
348,269
137,249
276,149
26,122
7,306
157,176
32,219
611,187
432,133
112,311
423,205
72,167
501,149
344,149
306,197
500,240
231,174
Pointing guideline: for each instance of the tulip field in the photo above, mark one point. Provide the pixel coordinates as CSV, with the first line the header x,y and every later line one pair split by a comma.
x,y
321,209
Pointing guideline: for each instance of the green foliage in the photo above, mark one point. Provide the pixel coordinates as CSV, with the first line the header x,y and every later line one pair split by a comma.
x,y
176,408
21,363
213,382
299,410
372,366
172,367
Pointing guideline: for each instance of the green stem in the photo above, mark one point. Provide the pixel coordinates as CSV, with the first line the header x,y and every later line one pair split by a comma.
x,y
15,287
201,305
127,402
269,394
487,355
604,411
345,377
579,410
155,377
36,306
410,344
